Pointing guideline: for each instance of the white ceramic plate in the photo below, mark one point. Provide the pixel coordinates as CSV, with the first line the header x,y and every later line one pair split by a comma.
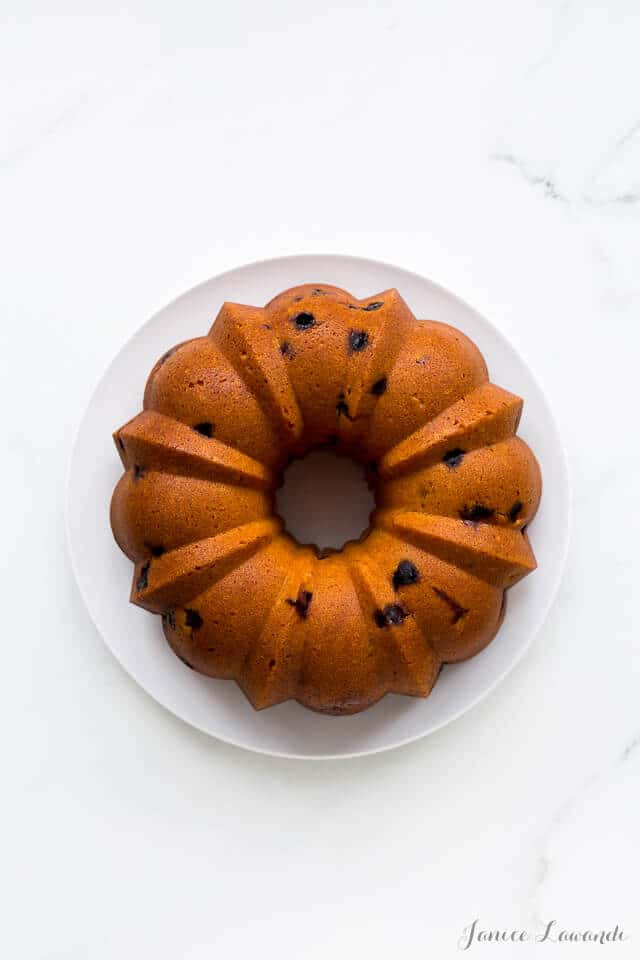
x,y
135,637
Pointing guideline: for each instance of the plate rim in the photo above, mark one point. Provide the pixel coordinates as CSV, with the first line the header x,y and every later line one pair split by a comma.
x,y
552,593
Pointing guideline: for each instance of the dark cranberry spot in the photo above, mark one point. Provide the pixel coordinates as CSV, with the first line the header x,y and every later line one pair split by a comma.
x,y
272,664
319,292
373,306
205,428
457,610
192,619
170,618
138,472
342,409
476,512
286,349
352,306
301,603
515,511
143,580
405,574
379,387
392,615
157,551
304,321
453,458
358,339
373,466
423,361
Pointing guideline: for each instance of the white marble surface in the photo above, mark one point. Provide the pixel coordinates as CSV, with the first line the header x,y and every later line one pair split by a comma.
x,y
494,147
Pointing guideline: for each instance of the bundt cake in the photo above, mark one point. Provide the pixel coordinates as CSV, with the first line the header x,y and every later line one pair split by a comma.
x,y
454,487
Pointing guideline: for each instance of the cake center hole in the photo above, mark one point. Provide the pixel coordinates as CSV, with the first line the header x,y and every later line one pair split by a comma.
x,y
325,500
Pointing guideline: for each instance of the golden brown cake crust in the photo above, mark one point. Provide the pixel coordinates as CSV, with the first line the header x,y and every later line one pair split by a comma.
x,y
455,489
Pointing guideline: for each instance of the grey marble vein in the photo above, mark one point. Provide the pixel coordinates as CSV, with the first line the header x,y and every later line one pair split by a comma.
x,y
552,192
534,179
559,32
61,119
614,151
543,862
